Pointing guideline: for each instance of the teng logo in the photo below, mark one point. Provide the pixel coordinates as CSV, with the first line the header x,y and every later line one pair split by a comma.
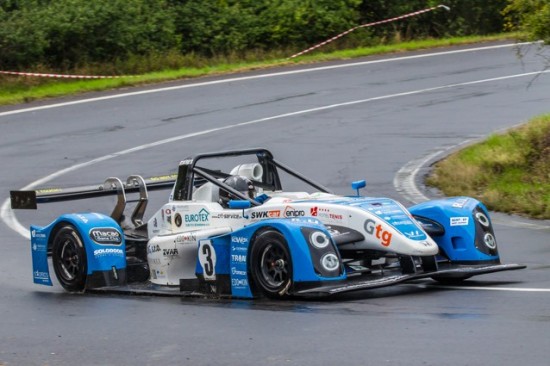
x,y
313,211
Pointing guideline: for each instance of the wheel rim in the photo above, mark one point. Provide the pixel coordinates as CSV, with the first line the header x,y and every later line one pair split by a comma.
x,y
274,266
69,260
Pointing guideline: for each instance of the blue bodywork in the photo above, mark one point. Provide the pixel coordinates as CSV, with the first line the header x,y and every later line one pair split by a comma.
x,y
233,253
467,234
101,256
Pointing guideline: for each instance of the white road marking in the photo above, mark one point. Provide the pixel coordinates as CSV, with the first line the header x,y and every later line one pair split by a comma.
x,y
405,179
7,215
483,288
243,78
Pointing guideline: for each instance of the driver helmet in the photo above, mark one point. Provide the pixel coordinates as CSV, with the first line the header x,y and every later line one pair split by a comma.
x,y
239,183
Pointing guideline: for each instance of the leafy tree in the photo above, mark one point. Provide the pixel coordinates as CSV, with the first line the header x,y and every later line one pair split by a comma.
x,y
529,16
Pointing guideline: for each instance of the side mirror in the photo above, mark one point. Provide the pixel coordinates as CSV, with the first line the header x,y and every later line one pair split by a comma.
x,y
357,185
239,204
236,204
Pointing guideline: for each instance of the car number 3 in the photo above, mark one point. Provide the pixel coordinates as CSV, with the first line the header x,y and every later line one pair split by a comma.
x,y
207,259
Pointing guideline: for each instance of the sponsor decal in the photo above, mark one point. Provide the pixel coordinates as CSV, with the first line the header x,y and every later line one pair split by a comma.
x,y
83,218
188,238
186,162
153,248
34,234
460,202
108,252
306,220
48,190
239,240
166,215
239,282
226,216
378,231
324,213
238,258
170,252
239,249
38,275
266,214
106,236
163,177
237,272
403,222
200,218
291,212
414,234
459,221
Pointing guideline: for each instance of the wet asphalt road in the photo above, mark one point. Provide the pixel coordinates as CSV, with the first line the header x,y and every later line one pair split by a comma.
x,y
334,122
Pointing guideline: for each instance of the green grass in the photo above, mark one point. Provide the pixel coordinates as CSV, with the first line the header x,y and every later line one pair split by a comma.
x,y
14,90
508,172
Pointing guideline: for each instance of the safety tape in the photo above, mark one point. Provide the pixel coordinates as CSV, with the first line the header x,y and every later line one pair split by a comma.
x,y
62,76
65,76
370,25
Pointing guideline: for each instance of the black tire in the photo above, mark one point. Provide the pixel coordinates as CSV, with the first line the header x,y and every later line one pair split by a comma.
x,y
271,264
69,259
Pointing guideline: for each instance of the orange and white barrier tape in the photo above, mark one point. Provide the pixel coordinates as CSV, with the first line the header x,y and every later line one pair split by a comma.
x,y
65,76
370,25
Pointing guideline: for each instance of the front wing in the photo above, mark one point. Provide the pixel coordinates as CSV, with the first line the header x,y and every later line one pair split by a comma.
x,y
322,289
386,278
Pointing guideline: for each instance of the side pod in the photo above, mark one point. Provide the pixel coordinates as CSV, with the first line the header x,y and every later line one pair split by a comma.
x,y
461,228
96,259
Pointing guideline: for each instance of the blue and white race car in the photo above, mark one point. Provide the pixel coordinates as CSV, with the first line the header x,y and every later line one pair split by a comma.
x,y
230,229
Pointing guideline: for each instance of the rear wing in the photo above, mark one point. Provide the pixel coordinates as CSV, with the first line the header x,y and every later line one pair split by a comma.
x,y
29,200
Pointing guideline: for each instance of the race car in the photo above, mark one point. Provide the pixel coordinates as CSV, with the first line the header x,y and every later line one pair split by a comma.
x,y
230,229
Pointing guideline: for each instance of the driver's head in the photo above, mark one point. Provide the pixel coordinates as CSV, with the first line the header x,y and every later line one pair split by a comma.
x,y
239,183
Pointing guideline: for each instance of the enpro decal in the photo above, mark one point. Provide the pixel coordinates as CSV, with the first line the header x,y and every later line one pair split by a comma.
x,y
377,231
291,212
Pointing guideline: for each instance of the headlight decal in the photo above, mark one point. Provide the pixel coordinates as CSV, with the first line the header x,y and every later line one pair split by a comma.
x,y
324,255
319,239
330,262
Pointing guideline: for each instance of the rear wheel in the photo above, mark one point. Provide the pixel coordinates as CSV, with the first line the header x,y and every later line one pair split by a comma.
x,y
69,259
270,264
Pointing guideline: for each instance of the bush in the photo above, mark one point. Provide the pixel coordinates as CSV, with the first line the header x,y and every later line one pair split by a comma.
x,y
66,33
529,16
475,17
212,27
71,34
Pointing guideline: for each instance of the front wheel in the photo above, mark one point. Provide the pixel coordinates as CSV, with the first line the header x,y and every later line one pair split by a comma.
x,y
69,259
271,265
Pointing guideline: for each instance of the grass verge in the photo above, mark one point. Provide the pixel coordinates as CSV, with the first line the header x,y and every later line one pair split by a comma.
x,y
508,172
19,89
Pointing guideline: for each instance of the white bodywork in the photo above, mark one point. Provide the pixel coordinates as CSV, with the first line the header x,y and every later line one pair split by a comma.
x,y
178,226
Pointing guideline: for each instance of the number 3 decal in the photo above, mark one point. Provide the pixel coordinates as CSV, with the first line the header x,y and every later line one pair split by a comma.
x,y
207,259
